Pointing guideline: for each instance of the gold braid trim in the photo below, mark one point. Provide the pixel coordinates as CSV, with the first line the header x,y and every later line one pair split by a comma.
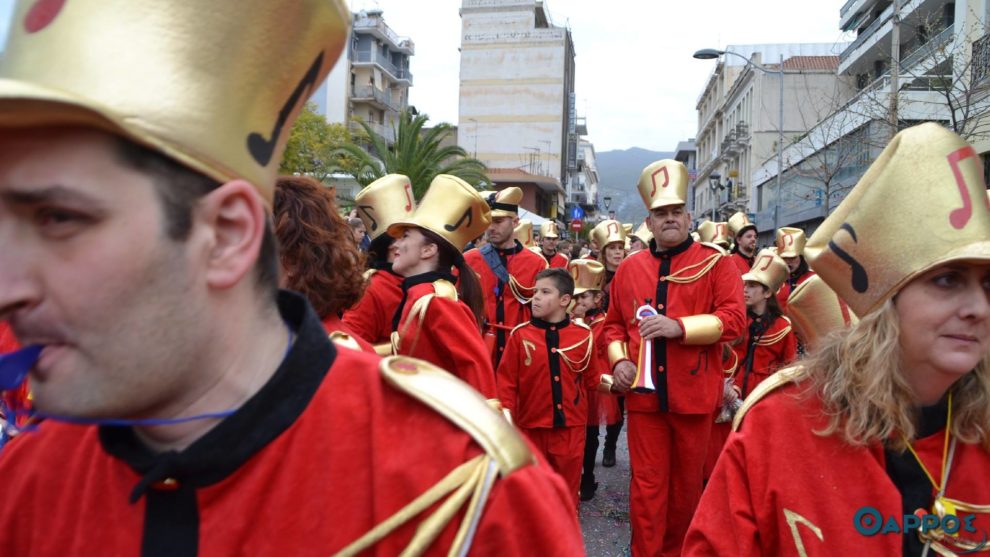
x,y
776,380
468,483
706,265
520,292
341,338
417,313
774,338
581,363
731,372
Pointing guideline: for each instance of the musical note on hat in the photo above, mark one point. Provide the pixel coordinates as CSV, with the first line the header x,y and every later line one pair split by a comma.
x,y
262,149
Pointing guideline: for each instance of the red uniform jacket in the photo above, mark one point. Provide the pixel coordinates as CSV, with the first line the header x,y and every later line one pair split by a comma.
x,y
789,285
698,287
743,263
437,327
781,489
602,408
506,304
344,336
371,318
763,352
323,453
557,261
545,373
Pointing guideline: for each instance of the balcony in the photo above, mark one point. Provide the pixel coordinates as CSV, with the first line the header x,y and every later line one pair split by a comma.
x,y
376,26
729,146
381,98
382,130
981,60
929,48
866,34
742,135
377,58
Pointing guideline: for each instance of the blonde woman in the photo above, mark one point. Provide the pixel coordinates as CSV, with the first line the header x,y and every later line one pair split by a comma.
x,y
879,443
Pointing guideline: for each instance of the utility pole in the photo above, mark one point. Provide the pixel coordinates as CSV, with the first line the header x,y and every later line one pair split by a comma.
x,y
895,65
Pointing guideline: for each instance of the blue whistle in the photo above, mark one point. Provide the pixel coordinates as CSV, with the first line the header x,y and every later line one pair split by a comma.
x,y
14,367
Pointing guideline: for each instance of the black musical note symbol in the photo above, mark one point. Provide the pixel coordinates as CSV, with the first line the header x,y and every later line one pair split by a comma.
x,y
860,279
367,210
262,149
460,221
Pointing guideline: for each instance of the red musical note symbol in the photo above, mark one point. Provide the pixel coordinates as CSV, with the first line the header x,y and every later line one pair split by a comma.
x,y
960,216
720,229
409,201
41,14
766,265
612,228
788,240
666,180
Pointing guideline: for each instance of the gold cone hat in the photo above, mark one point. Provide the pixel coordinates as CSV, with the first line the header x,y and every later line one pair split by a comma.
x,y
643,233
790,241
739,222
387,200
921,204
663,183
505,203
714,233
588,274
768,269
549,230
452,209
214,85
815,311
608,232
524,233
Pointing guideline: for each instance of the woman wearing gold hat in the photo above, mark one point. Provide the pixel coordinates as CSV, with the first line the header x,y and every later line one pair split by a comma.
x,y
889,419
435,321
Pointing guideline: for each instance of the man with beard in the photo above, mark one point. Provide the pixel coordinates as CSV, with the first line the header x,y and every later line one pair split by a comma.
x,y
548,245
683,298
744,232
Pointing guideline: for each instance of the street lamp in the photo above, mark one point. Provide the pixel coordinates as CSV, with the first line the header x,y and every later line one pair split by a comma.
x,y
607,201
713,182
711,54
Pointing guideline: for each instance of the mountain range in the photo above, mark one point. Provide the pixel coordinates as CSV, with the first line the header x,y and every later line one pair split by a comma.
x,y
618,174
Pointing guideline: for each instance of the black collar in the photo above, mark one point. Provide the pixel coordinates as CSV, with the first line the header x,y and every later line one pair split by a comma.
x,y
510,251
750,258
423,278
591,313
223,449
670,252
541,324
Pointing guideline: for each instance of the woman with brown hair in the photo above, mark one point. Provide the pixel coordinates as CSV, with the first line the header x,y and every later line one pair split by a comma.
x,y
879,442
435,321
318,256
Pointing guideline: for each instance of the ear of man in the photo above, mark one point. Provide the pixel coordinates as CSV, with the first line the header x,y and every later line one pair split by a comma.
x,y
230,221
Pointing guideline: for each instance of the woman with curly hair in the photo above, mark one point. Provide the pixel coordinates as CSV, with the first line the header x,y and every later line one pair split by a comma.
x,y
435,321
879,442
318,256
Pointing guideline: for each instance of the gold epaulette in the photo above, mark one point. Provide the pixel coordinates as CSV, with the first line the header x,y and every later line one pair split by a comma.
x,y
776,380
341,338
580,323
519,292
776,337
519,326
715,247
468,485
444,289
369,273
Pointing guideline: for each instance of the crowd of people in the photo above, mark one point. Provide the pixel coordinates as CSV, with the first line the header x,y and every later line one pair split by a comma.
x,y
201,357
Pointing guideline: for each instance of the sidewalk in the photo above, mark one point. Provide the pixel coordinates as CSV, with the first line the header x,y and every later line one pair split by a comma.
x,y
605,519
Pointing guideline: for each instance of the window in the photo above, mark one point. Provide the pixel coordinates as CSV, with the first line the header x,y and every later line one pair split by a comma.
x,y
759,197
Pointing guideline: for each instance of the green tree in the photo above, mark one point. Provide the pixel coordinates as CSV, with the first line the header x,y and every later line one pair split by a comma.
x,y
416,153
313,146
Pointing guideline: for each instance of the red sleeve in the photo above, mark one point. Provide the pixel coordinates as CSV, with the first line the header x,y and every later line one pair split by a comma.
x,y
728,301
453,329
790,349
615,327
369,319
508,374
593,374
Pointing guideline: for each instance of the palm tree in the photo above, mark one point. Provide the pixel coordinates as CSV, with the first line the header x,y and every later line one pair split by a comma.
x,y
416,153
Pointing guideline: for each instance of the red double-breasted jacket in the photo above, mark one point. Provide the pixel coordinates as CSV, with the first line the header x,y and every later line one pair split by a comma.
x,y
557,260
601,407
743,263
696,285
764,349
545,374
506,302
371,317
435,326
335,443
781,488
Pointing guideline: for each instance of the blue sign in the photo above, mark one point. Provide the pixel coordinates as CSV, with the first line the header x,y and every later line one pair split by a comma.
x,y
577,213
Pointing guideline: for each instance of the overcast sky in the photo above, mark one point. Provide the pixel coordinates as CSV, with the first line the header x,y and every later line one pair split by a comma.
x,y
636,80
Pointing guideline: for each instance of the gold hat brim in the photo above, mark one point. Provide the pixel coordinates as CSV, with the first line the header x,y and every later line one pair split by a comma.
x,y
396,230
583,290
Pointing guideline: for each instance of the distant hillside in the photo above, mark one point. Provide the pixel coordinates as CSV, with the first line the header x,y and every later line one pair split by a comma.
x,y
618,173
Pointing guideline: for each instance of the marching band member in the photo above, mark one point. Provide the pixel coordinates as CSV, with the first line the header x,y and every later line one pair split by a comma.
x,y
193,408
316,259
523,232
744,237
640,239
548,246
507,270
789,244
671,307
435,321
387,200
549,365
715,233
888,419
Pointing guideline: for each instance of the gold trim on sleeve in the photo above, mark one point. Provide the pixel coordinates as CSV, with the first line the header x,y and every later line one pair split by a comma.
x,y
617,351
701,329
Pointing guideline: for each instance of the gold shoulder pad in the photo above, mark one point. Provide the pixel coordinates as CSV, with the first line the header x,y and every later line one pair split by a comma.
x,y
715,247
775,381
341,338
517,327
580,323
368,273
444,289
462,405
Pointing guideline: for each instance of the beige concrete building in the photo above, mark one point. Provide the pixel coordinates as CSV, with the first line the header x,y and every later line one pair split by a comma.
x,y
372,80
738,119
516,107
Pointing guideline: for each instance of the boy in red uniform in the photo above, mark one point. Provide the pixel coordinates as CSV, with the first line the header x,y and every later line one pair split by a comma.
x,y
548,367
